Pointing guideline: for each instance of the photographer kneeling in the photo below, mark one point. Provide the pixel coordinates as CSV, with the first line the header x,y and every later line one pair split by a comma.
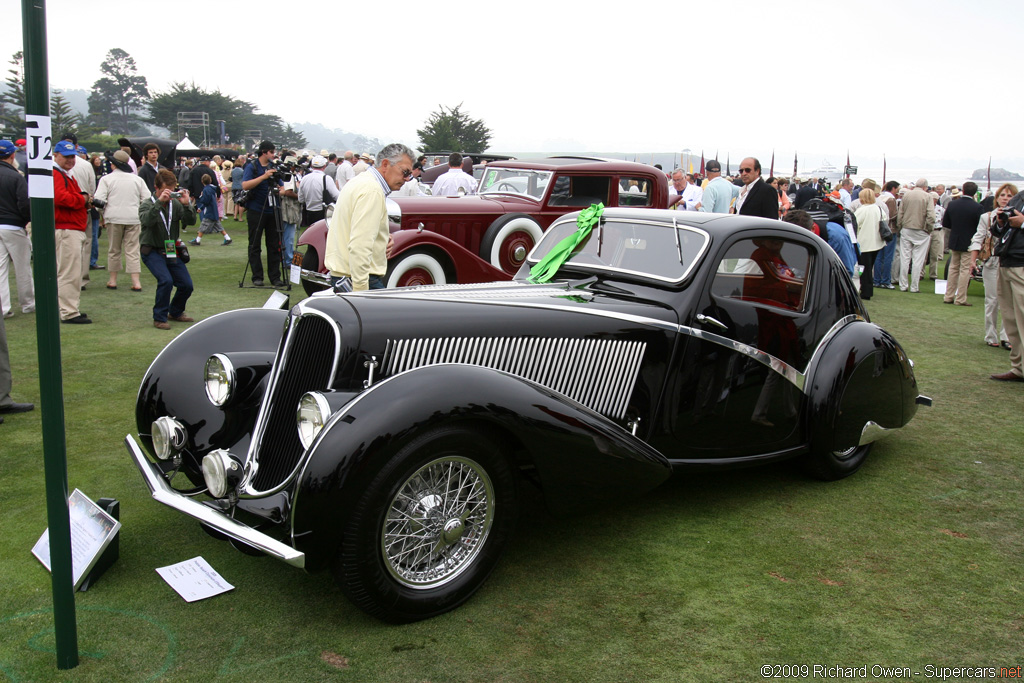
x,y
258,181
161,218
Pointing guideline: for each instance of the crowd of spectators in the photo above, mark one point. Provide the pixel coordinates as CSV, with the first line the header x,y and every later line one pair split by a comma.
x,y
888,236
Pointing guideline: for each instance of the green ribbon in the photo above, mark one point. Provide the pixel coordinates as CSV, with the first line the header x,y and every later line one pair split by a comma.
x,y
549,265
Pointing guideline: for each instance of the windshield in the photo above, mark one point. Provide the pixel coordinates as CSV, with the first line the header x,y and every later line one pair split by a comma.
x,y
515,181
638,247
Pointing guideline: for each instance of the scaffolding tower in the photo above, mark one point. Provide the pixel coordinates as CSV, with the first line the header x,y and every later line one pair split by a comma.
x,y
194,120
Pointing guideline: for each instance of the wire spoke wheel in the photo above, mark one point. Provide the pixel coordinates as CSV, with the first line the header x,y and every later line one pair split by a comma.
x,y
438,522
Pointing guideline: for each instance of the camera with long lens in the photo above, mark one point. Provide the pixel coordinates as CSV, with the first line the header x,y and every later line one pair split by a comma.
x,y
284,169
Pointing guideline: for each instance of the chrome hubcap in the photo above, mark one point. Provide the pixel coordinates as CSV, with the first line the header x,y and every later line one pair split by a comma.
x,y
520,253
438,522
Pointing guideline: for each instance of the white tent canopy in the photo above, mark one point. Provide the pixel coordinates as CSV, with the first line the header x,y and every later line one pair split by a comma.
x,y
186,144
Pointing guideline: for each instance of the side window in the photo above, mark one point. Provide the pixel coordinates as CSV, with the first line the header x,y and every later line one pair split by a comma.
x,y
634,192
764,270
579,191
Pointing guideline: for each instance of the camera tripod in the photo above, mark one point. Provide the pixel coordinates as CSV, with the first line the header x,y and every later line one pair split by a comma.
x,y
273,200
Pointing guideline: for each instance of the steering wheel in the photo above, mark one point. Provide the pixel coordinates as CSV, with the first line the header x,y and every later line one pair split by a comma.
x,y
505,187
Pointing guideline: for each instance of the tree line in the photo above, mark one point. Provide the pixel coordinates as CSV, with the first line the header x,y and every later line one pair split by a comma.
x,y
121,105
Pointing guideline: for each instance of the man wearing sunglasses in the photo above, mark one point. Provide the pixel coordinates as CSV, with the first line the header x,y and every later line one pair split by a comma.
x,y
358,240
757,198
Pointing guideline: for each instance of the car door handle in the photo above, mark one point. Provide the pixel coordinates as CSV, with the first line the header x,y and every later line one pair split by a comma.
x,y
707,319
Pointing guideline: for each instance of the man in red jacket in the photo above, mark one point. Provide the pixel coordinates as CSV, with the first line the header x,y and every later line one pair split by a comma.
x,y
69,219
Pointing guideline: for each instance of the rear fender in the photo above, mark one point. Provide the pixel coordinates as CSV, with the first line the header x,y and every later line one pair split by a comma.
x,y
863,376
579,455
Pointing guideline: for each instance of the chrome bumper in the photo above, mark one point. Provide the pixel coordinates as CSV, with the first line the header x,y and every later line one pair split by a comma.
x,y
163,493
316,277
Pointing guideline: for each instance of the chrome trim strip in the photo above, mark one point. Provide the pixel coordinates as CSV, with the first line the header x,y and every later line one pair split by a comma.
x,y
791,374
599,373
163,493
873,432
251,463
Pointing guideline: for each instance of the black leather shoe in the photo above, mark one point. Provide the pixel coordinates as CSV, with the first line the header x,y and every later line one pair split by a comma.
x,y
16,408
80,319
257,283
277,283
97,267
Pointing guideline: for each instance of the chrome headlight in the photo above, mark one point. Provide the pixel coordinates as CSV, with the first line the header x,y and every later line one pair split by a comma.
x,y
311,416
168,437
220,379
222,472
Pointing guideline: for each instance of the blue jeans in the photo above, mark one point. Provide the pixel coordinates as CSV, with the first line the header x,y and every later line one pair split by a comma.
x,y
168,274
287,244
95,253
883,266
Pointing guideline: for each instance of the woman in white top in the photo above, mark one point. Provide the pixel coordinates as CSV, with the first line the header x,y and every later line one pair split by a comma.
x,y
868,216
990,269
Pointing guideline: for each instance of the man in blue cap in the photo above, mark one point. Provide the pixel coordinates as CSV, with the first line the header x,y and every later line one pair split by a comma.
x,y
69,218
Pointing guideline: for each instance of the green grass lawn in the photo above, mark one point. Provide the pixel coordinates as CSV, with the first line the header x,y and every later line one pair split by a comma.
x,y
916,560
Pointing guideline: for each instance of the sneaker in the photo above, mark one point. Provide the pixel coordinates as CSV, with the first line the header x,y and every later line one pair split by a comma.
x,y
225,243
161,325
257,283
195,242
80,319
277,283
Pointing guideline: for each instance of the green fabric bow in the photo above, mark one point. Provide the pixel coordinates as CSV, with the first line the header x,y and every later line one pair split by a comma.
x,y
549,265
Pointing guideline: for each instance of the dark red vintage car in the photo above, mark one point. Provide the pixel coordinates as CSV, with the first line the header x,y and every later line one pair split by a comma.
x,y
486,236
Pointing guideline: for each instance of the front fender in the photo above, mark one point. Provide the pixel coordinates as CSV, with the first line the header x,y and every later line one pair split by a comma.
x,y
862,377
579,455
174,384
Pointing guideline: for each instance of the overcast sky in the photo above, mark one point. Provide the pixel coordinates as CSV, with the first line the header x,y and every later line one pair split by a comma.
x,y
920,82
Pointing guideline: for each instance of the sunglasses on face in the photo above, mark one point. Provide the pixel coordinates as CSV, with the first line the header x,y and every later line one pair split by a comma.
x,y
746,170
407,173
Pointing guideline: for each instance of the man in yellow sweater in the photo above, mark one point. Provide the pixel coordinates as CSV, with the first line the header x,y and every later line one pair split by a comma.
x,y
358,240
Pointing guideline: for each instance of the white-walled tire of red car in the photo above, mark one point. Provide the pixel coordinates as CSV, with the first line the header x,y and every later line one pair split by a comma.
x,y
508,240
415,267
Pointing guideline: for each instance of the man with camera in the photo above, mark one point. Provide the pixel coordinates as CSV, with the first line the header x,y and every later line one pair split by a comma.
x,y
261,182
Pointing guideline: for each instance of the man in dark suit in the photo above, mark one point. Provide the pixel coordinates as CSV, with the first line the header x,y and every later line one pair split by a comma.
x,y
808,191
757,198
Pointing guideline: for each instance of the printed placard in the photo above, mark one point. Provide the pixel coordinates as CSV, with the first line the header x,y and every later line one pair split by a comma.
x,y
92,530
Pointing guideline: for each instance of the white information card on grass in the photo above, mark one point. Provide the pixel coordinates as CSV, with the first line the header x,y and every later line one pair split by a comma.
x,y
194,579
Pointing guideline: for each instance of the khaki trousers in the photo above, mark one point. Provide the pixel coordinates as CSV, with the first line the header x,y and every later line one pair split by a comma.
x,y
69,270
123,239
959,276
935,253
16,248
1011,305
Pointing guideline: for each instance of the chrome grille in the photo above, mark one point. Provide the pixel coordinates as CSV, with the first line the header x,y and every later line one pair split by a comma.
x,y
305,363
599,373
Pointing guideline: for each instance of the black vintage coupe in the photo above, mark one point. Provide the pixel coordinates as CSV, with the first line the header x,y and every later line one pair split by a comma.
x,y
387,434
